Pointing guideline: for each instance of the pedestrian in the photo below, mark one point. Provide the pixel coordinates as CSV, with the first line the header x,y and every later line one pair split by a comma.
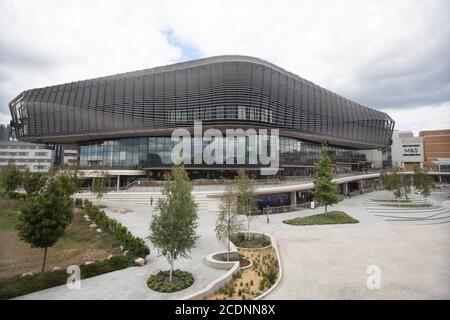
x,y
151,201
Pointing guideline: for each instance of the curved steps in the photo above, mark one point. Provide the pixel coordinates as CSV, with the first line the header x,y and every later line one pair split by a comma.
x,y
429,213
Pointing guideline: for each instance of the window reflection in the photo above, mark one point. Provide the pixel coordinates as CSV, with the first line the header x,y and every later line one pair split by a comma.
x,y
156,151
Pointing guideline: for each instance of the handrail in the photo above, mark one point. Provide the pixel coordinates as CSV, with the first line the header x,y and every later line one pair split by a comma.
x,y
288,208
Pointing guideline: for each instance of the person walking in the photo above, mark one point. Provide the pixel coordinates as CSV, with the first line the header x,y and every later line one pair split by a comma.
x,y
151,201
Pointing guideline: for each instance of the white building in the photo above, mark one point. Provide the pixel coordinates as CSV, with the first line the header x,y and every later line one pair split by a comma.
x,y
35,157
70,155
407,150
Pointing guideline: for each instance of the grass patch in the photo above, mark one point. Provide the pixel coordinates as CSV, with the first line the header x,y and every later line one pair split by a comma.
x,y
180,280
332,217
9,211
78,244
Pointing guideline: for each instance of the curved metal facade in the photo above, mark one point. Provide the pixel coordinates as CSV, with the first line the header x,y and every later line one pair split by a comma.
x,y
225,91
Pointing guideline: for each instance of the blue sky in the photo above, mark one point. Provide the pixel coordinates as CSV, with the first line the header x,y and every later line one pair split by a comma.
x,y
188,52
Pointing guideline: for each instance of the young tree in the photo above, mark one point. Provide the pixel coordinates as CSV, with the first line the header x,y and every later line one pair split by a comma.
x,y
422,181
99,186
324,188
43,220
396,183
173,228
246,196
10,180
228,222
33,182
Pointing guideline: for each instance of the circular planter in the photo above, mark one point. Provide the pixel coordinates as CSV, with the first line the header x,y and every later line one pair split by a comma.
x,y
160,282
249,265
257,241
222,257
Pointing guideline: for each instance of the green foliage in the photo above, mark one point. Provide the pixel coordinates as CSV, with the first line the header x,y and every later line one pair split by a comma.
x,y
105,266
227,290
136,246
253,241
10,180
161,283
78,203
228,222
17,285
63,183
398,184
332,217
324,188
173,228
44,218
422,181
33,182
9,214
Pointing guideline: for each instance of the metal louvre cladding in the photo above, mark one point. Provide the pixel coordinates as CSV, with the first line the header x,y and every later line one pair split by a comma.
x,y
222,92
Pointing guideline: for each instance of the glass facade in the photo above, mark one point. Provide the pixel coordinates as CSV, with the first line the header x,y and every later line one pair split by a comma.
x,y
147,152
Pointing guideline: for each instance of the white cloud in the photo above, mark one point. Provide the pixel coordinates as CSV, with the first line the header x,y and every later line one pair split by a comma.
x,y
431,117
53,42
385,54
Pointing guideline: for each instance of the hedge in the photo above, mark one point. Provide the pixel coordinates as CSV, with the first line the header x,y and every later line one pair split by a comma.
x,y
136,247
17,285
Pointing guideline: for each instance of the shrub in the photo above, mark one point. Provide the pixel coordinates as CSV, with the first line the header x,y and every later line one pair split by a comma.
x,y
78,203
160,282
101,267
17,285
136,247
261,285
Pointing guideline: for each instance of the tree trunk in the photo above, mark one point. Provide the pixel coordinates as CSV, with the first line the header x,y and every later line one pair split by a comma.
x,y
171,268
228,249
248,226
326,210
45,260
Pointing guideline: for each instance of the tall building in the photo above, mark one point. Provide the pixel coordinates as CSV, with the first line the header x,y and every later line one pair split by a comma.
x,y
65,155
125,121
436,148
31,156
407,150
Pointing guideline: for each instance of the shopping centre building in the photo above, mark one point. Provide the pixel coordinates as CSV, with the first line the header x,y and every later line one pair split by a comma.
x,y
124,122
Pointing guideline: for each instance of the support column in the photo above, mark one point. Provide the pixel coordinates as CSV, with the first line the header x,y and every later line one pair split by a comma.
x,y
361,186
293,198
345,189
118,183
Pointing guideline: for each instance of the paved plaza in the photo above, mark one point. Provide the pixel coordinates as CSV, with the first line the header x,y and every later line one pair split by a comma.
x,y
319,262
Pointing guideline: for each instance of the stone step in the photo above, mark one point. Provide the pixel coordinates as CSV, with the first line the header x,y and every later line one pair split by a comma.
x,y
421,216
441,220
415,210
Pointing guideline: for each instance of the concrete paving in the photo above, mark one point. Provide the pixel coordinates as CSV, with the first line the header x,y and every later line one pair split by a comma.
x,y
319,262
331,261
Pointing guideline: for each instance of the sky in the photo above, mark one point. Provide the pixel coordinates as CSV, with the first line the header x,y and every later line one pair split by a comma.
x,y
393,56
